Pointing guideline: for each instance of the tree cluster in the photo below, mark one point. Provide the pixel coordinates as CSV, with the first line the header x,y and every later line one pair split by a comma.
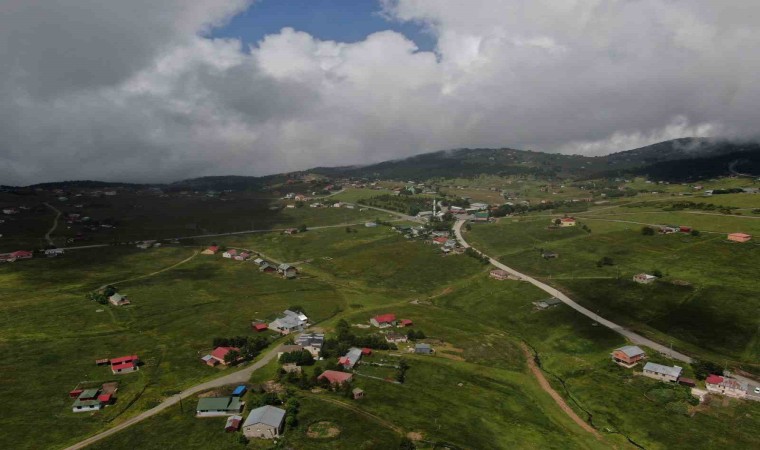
x,y
471,252
249,347
301,358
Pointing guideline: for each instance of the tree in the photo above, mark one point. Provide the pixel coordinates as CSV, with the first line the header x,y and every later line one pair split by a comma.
x,y
557,222
605,261
231,356
302,228
695,233
657,273
468,227
647,231
406,444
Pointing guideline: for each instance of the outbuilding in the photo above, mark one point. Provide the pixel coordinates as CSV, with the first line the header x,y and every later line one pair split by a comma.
x,y
265,422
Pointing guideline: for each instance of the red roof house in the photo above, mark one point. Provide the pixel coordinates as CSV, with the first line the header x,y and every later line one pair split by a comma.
x,y
75,393
383,320
739,237
261,326
123,368
714,379
211,250
220,352
366,351
440,240
335,377
124,359
21,254
405,323
104,398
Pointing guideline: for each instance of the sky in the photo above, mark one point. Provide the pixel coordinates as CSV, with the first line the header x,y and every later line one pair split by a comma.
x,y
163,90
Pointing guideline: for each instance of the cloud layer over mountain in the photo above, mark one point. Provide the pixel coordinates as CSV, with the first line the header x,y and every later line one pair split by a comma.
x,y
136,91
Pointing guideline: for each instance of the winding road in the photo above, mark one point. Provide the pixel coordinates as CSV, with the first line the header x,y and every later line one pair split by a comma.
x,y
55,223
630,335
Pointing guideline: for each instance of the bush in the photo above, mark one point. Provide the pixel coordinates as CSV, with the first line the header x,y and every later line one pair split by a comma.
x,y
647,231
695,233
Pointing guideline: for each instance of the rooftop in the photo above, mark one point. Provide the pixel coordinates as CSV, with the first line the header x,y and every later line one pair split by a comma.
x,y
268,415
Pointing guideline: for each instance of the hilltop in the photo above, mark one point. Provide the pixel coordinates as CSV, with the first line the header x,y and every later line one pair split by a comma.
x,y
685,159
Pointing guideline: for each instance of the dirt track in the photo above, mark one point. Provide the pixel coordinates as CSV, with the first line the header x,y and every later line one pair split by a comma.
x,y
557,398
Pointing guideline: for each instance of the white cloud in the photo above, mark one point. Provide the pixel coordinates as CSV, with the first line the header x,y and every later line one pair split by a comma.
x,y
134,91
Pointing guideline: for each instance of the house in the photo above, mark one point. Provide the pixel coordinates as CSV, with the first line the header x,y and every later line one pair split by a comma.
x,y
125,364
567,222
20,254
290,322
349,360
684,229
628,356
357,393
86,405
739,237
122,368
366,351
259,326
440,240
550,255
287,271
479,206
288,349
220,353
233,423
480,216
51,252
499,274
405,323
311,342
265,422
258,261
335,377
548,303
669,229
290,231
210,250
423,349
643,278
218,406
239,391
229,253
118,300
209,360
394,338
242,256
10,211
266,267
662,373
383,320
370,224
725,386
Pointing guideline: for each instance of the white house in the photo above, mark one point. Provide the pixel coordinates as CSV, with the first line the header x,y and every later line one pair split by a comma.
x,y
662,373
229,253
289,323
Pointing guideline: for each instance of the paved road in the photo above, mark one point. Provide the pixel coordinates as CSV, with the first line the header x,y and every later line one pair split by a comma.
x,y
633,337
55,223
241,376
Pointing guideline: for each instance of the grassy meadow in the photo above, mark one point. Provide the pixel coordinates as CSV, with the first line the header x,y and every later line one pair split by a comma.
x,y
704,301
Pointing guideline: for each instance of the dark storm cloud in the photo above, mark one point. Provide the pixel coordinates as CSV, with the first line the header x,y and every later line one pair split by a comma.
x,y
132,91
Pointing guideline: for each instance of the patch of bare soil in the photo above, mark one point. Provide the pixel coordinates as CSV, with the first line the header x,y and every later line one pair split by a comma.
x,y
415,435
271,386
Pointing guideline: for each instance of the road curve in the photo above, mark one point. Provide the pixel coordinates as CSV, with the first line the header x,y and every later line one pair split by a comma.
x,y
630,335
240,376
